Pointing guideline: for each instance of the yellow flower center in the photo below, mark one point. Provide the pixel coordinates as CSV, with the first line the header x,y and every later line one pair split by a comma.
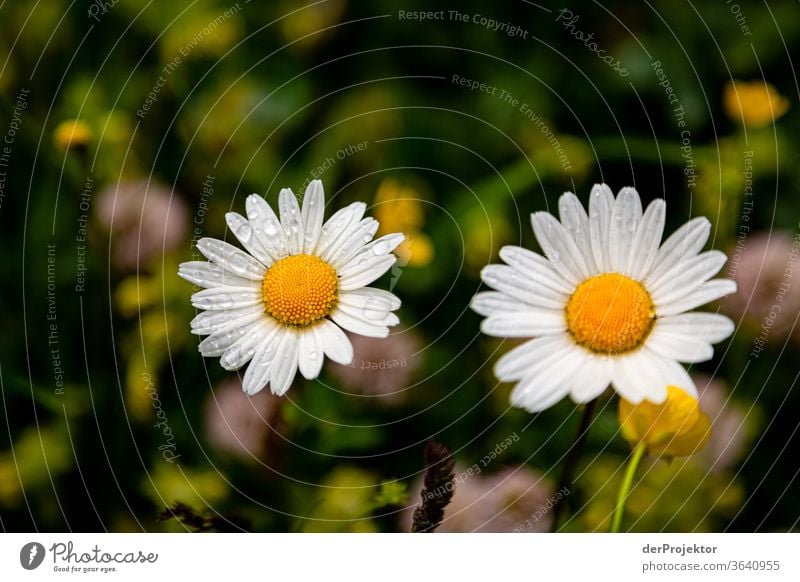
x,y
610,314
300,289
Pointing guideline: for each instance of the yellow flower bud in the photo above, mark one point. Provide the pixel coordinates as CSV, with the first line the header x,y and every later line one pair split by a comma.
x,y
754,104
72,133
675,428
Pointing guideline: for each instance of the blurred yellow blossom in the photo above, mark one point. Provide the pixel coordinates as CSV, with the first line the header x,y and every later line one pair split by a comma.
x,y
308,25
344,503
484,235
755,103
72,133
168,484
674,428
416,250
38,455
399,208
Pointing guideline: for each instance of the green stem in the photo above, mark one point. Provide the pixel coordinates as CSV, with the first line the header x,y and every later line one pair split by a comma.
x,y
573,456
638,453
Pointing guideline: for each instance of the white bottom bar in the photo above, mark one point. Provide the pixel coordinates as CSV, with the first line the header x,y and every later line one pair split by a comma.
x,y
408,557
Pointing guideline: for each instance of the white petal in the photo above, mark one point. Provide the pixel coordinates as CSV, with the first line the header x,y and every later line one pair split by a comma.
x,y
518,362
487,303
624,223
372,307
647,240
625,378
243,231
686,349
685,242
375,314
528,323
677,375
219,298
638,376
535,267
709,327
266,227
356,276
291,220
370,296
219,341
575,220
529,291
284,364
379,247
256,377
243,350
601,205
337,228
687,276
310,354
709,291
559,247
654,378
549,382
354,243
335,342
210,321
358,325
231,259
205,274
591,379
313,214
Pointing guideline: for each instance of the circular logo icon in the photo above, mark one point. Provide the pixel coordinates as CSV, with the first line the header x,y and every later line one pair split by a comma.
x,y
31,555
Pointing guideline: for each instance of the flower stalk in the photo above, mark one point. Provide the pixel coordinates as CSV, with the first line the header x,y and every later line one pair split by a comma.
x,y
573,456
627,483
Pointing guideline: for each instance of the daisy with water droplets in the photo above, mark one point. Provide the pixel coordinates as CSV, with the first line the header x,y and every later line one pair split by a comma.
x,y
608,304
282,305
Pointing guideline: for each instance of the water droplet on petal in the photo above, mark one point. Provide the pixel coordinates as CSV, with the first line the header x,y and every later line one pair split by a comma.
x,y
270,228
375,309
244,232
381,247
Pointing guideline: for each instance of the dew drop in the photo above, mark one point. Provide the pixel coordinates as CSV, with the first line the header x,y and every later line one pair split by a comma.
x,y
375,309
270,228
381,247
244,232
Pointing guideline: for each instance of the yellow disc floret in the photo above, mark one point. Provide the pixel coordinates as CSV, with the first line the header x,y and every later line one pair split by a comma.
x,y
610,314
300,289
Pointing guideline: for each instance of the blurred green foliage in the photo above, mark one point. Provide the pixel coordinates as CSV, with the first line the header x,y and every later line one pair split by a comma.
x,y
214,100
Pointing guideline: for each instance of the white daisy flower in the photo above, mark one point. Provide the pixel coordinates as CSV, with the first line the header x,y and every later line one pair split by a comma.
x,y
609,304
282,304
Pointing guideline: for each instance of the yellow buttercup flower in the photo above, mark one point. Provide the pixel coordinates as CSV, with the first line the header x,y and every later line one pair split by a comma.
x,y
755,103
72,133
675,428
